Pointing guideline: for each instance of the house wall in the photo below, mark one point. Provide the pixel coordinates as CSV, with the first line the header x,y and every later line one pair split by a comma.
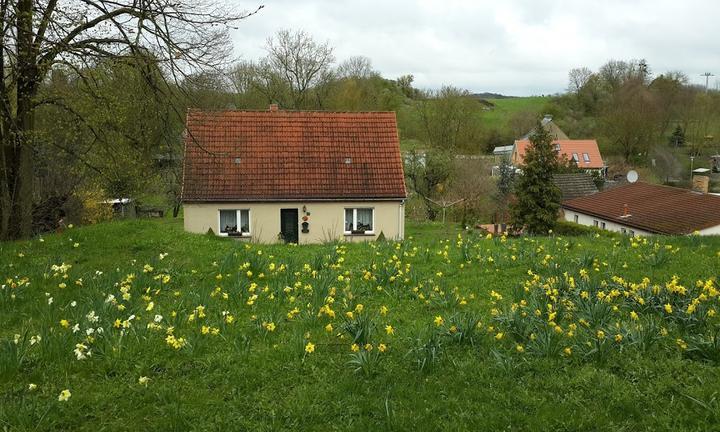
x,y
711,231
326,219
588,220
584,219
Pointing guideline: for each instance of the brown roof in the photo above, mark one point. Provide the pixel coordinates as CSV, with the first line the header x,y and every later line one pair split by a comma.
x,y
653,208
574,185
567,149
288,155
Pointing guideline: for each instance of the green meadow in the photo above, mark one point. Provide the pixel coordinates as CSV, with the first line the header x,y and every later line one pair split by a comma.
x,y
137,325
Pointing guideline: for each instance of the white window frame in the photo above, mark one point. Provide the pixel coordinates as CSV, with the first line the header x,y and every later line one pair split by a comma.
x,y
586,158
602,225
238,218
576,218
596,223
355,209
575,158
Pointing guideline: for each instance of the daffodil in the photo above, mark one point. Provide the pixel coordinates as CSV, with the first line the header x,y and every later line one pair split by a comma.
x,y
310,348
64,395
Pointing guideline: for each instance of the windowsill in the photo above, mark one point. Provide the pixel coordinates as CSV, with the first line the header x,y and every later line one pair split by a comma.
x,y
243,235
365,234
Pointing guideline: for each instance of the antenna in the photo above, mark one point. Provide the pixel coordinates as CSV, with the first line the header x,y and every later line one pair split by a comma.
x,y
632,176
707,76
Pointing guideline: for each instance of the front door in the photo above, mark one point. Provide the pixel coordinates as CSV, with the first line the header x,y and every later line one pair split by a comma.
x,y
289,225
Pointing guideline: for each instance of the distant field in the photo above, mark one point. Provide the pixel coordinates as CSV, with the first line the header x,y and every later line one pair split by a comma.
x,y
138,325
505,108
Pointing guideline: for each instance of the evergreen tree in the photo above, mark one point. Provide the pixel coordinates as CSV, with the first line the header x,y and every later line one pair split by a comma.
x,y
537,200
677,138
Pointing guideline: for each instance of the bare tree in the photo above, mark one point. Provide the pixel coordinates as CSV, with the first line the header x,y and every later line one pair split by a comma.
x,y
301,61
184,36
357,67
577,78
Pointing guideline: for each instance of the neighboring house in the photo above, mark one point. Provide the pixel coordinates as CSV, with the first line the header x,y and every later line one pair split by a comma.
x,y
645,209
574,185
585,153
549,125
297,176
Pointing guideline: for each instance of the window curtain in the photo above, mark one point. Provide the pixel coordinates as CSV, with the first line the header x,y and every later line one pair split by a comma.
x,y
245,221
364,219
228,221
348,220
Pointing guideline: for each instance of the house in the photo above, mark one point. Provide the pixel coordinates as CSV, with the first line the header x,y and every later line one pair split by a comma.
x,y
297,176
585,153
574,185
549,125
645,209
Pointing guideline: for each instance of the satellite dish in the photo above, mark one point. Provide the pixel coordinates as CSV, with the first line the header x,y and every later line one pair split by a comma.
x,y
632,176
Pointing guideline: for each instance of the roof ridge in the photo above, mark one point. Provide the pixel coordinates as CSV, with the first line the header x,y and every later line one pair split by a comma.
x,y
280,111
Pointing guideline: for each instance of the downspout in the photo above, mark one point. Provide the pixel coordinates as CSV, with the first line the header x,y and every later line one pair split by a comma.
x,y
401,220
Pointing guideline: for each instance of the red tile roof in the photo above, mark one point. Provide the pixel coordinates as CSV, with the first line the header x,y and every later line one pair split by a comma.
x,y
567,148
291,155
654,208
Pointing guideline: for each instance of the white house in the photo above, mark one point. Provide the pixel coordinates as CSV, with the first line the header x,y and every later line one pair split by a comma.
x,y
646,209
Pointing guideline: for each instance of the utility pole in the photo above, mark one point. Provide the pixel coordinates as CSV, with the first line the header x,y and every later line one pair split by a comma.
x,y
707,76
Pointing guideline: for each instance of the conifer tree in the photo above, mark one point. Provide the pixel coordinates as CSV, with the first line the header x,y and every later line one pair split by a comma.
x,y
537,200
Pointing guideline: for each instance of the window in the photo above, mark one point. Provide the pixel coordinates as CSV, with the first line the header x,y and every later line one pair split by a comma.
x,y
234,222
557,147
576,218
595,223
575,158
632,233
602,225
359,221
623,230
586,157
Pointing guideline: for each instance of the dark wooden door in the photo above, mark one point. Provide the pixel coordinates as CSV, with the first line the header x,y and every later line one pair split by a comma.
x,y
289,225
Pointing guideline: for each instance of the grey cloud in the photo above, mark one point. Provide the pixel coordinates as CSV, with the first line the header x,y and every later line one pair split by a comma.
x,y
517,47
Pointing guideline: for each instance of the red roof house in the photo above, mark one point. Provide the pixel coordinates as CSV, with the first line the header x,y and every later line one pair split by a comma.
x,y
301,176
585,153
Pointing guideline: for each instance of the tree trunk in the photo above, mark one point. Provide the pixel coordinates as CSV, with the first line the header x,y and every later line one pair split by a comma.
x,y
18,151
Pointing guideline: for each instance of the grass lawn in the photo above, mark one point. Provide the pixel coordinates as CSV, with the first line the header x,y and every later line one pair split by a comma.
x,y
444,331
505,108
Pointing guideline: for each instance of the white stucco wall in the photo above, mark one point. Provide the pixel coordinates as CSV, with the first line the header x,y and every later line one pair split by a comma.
x,y
711,231
584,219
326,220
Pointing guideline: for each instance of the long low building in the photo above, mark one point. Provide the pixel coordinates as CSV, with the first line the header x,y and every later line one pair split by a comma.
x,y
647,209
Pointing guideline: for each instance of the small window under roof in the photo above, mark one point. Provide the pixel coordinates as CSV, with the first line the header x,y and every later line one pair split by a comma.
x,y
348,160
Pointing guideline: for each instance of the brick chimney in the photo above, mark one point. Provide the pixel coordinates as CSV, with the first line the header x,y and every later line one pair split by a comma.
x,y
700,183
273,107
626,211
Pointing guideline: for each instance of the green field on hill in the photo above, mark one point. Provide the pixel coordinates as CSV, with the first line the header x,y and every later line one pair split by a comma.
x,y
506,108
137,325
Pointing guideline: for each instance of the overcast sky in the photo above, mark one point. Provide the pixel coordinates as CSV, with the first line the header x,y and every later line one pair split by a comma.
x,y
515,47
